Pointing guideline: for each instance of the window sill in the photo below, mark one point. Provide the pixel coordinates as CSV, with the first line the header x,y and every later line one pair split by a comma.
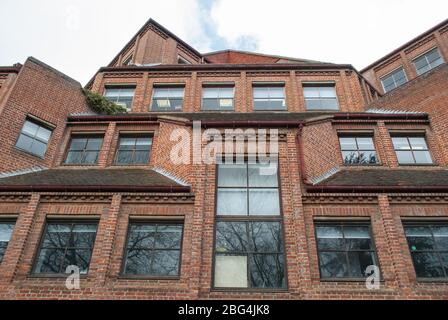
x,y
136,278
250,290
433,280
418,165
78,165
54,276
346,280
363,165
28,153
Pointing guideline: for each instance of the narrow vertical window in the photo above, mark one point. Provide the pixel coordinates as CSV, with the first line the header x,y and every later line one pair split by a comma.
x,y
6,229
34,138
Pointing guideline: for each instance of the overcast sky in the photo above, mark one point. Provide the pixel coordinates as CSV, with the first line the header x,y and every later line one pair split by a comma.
x,y
79,36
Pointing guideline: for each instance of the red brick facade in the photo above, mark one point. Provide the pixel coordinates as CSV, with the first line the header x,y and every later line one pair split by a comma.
x,y
309,154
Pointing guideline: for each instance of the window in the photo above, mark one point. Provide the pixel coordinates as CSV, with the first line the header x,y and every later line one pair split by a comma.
x,y
411,150
394,80
133,149
167,99
128,61
153,249
84,150
64,244
428,61
320,97
122,96
428,244
345,250
269,97
182,60
34,138
217,98
249,250
6,229
358,150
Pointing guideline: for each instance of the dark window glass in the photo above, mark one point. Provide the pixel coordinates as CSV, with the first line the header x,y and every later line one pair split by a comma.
x,y
358,150
394,80
249,255
320,97
84,150
217,98
6,229
133,150
65,244
411,150
345,250
153,249
122,96
167,99
34,138
428,244
269,98
428,61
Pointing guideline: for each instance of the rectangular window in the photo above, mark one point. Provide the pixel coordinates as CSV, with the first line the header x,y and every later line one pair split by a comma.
x,y
167,99
153,249
428,244
122,96
320,97
269,97
133,149
358,150
182,60
249,251
6,228
394,80
345,250
65,244
219,98
84,150
411,150
34,138
428,61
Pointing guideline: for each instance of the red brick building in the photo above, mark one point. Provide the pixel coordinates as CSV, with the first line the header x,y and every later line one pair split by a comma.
x,y
357,177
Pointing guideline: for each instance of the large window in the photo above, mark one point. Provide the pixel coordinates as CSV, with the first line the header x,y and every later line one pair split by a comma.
x,y
411,150
34,138
122,96
428,244
133,149
84,150
358,150
320,97
167,98
153,249
345,250
428,61
66,244
249,250
219,98
6,228
269,97
394,80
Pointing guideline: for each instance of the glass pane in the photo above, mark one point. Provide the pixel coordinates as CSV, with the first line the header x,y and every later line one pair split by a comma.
x,y
165,262
333,265
141,157
330,237
49,261
127,92
365,143
24,142
347,143
441,237
419,238
405,157
94,144
231,271
57,236
444,257
112,92
266,237
6,231
231,237
127,143
225,104
388,83
78,144
311,92
327,92
232,202
79,258
418,143
265,104
138,262
329,104
124,157
261,92
313,104
350,157
357,237
43,134
226,93
30,128
74,157
263,175
277,92
232,175
141,236
38,148
90,157
83,235
143,143
400,143
168,237
422,157
210,104
427,265
176,93
433,55
267,271
210,92
160,93
359,261
264,202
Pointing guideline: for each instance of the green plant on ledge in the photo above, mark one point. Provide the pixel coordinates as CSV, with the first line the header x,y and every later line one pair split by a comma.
x,y
101,105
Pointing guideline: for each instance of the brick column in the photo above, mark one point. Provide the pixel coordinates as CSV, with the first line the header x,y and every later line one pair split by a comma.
x,y
442,45
107,145
295,96
13,264
408,66
389,157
